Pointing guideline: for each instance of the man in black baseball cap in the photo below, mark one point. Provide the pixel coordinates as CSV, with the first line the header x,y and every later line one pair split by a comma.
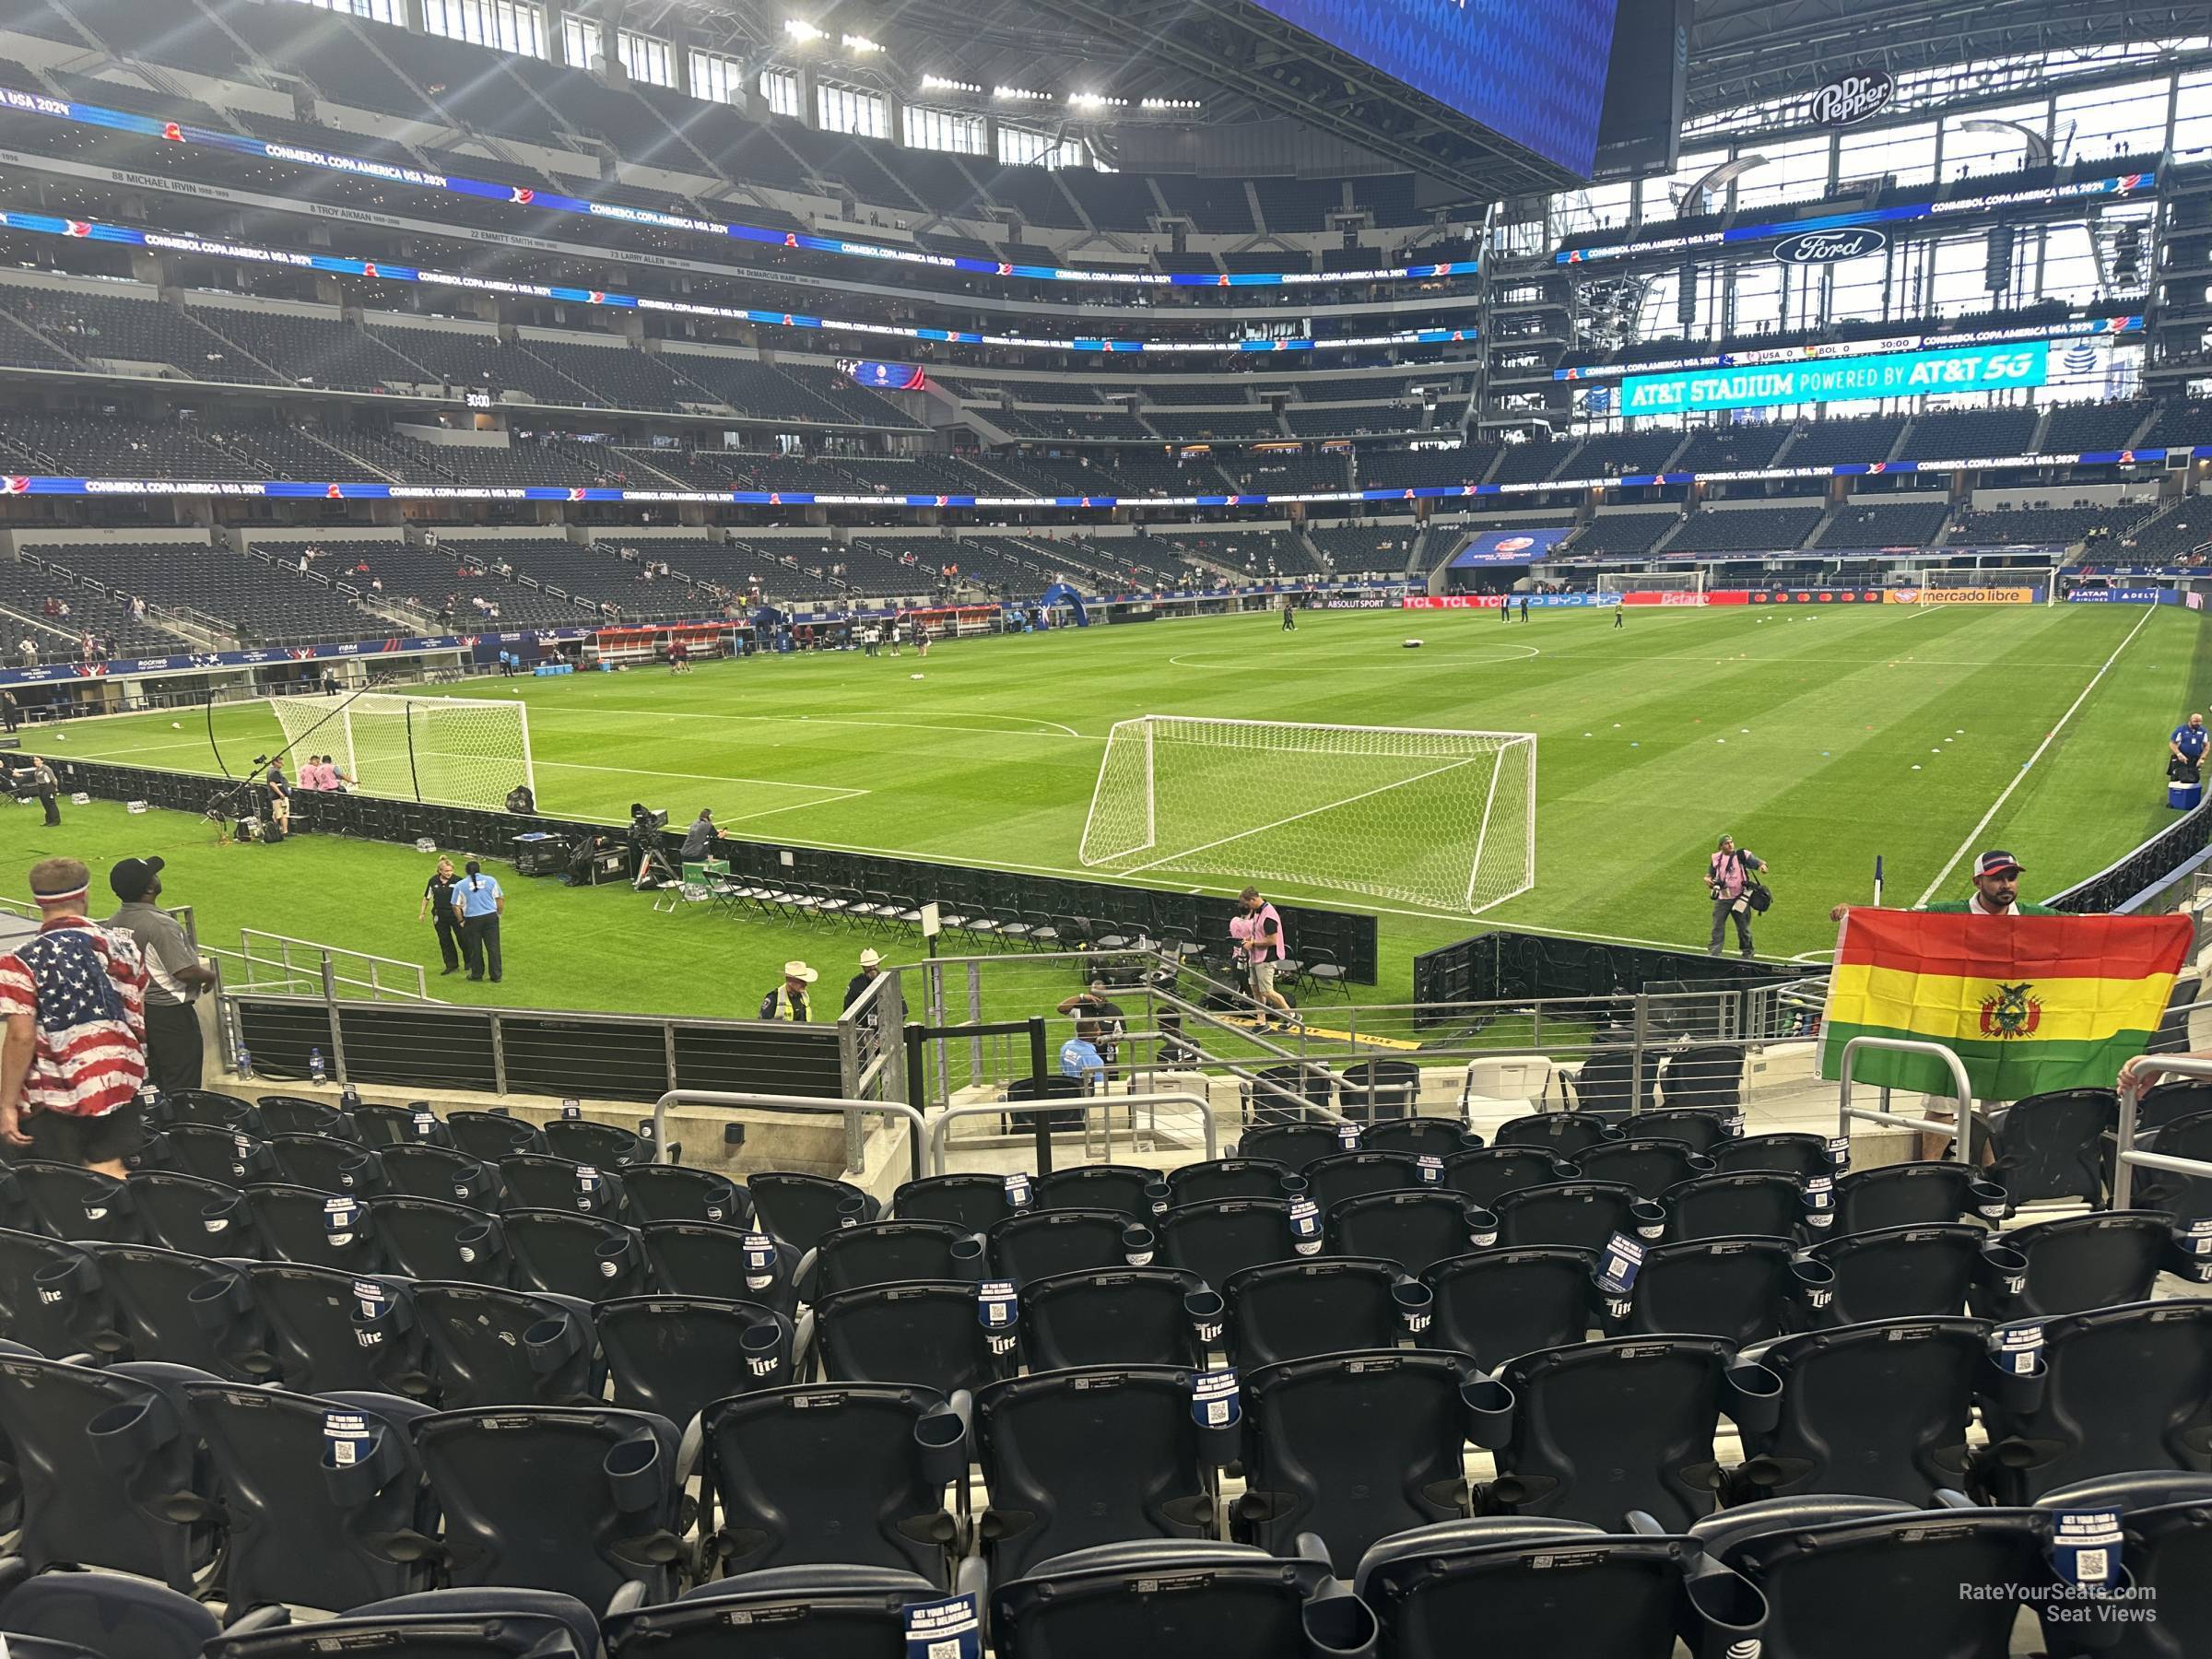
x,y
1997,891
175,1051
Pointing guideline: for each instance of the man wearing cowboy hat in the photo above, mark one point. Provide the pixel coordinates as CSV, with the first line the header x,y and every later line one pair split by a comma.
x,y
871,970
789,1000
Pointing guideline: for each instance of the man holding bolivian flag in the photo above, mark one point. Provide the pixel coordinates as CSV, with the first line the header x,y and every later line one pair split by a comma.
x,y
2029,1000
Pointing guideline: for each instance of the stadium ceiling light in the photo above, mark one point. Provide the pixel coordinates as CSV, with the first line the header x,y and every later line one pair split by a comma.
x,y
860,43
1169,103
1095,100
1021,94
798,29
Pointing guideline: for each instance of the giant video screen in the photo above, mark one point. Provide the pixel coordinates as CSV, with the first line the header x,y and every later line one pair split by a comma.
x,y
1845,380
1535,74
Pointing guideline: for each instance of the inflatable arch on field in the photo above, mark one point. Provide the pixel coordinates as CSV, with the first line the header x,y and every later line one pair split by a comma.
x,y
1061,593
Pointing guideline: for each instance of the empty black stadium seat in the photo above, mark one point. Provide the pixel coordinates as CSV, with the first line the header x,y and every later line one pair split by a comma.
x,y
815,1612
1413,1228
2077,1263
540,1180
675,1355
1601,1430
1117,1316
800,1208
50,1300
580,1499
2164,1563
971,1201
1494,1305
2118,1388
1125,1189
319,1496
1746,1203
1294,1145
2051,1146
853,1474
1798,1155
1879,1409
674,1193
929,1334
429,1239
491,1346
191,1213
489,1136
1223,1600
324,1331
1237,1177
1353,1447
1295,1309
436,1624
892,1252
1219,1238
1741,1289
1911,1194
563,1253
1911,1272
1485,1174
290,1223
1563,1135
1648,1164
187,1310
68,1202
101,1615
1076,1458
1581,1213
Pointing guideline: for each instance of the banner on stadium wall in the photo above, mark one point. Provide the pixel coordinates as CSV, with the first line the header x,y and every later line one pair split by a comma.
x,y
1898,374
1988,596
1492,601
1663,597
2125,596
1806,596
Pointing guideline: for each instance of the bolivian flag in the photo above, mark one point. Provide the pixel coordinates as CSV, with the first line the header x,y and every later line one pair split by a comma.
x,y
2028,1003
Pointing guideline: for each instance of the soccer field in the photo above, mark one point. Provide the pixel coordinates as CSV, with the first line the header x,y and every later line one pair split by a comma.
x,y
1820,738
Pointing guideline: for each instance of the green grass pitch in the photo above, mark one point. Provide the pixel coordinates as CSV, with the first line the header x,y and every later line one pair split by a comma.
x,y
1820,736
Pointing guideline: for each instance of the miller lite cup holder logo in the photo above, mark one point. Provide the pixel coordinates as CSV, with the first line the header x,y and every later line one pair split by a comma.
x,y
1853,99
1830,247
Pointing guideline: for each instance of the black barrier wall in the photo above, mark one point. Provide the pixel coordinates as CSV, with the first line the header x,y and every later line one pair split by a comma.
x,y
1106,907
1510,967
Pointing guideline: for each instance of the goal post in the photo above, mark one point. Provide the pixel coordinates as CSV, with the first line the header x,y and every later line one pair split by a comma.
x,y
1652,582
454,751
1438,818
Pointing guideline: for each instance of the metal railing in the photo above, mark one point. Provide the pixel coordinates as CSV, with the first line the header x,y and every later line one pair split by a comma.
x,y
921,1149
279,964
2127,1159
1098,1111
1847,1114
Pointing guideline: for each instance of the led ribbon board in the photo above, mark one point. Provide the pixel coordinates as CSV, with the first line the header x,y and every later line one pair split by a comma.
x,y
383,172
296,490
2092,328
1838,380
2120,185
387,271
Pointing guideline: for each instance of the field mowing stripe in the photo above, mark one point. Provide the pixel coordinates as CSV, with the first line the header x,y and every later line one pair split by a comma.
x,y
833,790
1975,833
897,725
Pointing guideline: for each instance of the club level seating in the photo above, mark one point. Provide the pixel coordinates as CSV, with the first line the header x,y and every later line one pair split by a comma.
x,y
1624,534
1277,472
1962,434
1408,469
2079,429
1745,446
1882,523
1745,529
2050,526
1617,454
25,586
1351,549
1839,442
1255,552
2179,537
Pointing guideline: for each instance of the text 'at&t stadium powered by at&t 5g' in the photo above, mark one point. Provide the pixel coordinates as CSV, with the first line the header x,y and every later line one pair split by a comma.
x,y
1848,379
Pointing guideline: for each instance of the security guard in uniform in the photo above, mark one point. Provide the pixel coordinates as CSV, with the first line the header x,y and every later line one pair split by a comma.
x,y
789,1000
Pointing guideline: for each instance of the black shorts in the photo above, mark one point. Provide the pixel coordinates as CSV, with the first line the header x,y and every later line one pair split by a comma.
x,y
61,1138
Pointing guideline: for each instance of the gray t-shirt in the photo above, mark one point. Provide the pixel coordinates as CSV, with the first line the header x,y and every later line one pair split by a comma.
x,y
162,940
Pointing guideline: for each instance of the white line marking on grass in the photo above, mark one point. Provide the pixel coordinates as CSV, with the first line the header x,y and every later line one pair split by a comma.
x,y
1974,834
1294,817
832,720
830,790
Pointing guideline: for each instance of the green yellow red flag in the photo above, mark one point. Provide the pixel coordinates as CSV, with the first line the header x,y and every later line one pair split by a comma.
x,y
2029,1004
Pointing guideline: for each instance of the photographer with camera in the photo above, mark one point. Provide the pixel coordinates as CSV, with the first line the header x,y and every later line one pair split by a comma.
x,y
1732,880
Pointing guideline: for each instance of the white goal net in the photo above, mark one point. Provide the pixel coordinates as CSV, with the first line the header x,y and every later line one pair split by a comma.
x,y
1442,819
1652,582
456,751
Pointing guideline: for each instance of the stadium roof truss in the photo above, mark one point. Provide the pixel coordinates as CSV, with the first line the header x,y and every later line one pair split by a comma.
x,y
1747,51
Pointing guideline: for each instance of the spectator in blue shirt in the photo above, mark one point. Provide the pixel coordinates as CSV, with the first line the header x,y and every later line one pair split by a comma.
x,y
2189,741
1079,1056
479,903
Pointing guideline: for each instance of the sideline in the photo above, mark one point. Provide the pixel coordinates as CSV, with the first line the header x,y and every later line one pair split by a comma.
x,y
1974,834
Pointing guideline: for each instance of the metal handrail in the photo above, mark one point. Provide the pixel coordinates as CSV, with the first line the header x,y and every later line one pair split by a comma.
x,y
941,1131
897,1111
2126,1158
1847,1114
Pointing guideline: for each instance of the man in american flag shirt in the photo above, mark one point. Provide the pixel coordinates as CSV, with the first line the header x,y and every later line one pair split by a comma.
x,y
74,1057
